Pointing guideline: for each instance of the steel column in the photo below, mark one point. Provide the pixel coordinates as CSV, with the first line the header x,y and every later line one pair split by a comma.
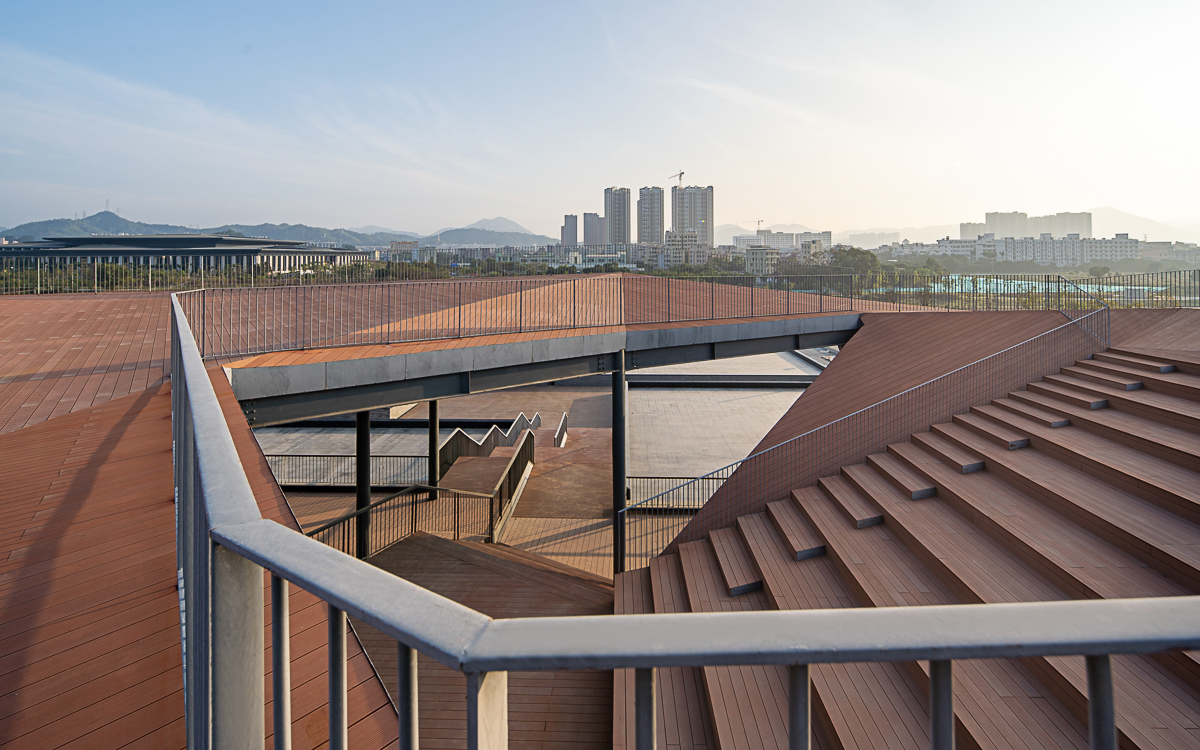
x,y
487,711
435,432
645,711
362,483
1102,726
339,738
799,711
620,458
941,705
406,696
281,665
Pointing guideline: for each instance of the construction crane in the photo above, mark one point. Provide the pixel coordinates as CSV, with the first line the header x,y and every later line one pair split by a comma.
x,y
748,221
680,176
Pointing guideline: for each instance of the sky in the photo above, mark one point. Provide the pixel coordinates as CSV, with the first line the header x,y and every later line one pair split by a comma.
x,y
418,116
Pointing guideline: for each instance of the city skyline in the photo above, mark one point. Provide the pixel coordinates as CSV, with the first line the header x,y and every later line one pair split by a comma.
x,y
860,125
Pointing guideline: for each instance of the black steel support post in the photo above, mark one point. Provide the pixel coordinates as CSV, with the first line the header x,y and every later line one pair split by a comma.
x,y
620,458
435,459
362,482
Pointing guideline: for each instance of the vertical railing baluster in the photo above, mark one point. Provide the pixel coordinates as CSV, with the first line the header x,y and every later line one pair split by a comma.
x,y
406,696
1102,727
487,711
799,712
281,664
941,705
645,711
339,738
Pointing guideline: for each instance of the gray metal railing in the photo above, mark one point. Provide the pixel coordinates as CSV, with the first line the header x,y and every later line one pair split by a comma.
x,y
224,545
236,322
644,529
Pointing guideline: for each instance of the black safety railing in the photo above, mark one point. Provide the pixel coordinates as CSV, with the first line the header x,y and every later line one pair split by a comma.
x,y
300,470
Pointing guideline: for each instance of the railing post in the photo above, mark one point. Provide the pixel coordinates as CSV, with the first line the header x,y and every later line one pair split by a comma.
x,y
645,711
338,725
362,483
236,637
941,705
487,711
821,293
1102,727
799,711
435,459
406,696
281,665
620,456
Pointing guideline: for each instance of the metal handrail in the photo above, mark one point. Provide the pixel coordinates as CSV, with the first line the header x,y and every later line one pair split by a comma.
x,y
411,489
224,545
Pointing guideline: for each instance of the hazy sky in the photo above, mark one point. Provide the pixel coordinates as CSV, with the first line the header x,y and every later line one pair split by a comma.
x,y
423,115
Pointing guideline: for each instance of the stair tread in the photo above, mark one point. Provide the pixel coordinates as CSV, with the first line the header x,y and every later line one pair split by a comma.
x,y
1144,363
1033,413
801,540
1150,380
1070,395
1161,537
1146,476
934,449
985,571
1169,405
744,702
1124,382
912,484
683,718
1156,434
884,573
1006,437
853,505
736,565
844,692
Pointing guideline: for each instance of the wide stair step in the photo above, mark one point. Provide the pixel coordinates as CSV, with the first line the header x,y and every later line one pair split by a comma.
x,y
911,484
1153,438
852,505
869,560
842,694
1172,410
1068,395
802,542
1137,363
1158,481
737,568
1112,380
1155,536
942,450
980,568
1032,413
1174,383
748,704
1001,435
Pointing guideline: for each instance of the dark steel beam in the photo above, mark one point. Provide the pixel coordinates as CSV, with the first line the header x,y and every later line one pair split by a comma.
x,y
273,410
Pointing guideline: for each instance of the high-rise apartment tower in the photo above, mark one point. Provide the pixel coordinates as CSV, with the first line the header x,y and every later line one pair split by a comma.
x,y
569,234
593,230
616,213
651,230
692,211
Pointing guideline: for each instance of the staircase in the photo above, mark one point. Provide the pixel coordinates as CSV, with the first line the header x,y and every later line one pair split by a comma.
x,y
1083,485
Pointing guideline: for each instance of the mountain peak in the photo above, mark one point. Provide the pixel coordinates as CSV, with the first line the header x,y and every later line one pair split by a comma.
x,y
498,224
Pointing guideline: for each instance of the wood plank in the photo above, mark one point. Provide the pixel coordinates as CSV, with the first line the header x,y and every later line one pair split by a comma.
x,y
856,509
737,569
799,537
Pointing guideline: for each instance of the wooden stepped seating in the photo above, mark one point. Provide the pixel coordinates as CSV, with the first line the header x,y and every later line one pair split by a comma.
x,y
855,705
884,573
1135,362
911,484
856,510
1035,414
1153,535
1121,382
683,718
1069,395
748,704
737,569
1171,383
1180,412
1153,438
958,458
801,541
1179,365
1157,708
1161,482
1002,435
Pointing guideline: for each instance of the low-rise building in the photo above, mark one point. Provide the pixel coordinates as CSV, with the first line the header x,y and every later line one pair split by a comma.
x,y
762,261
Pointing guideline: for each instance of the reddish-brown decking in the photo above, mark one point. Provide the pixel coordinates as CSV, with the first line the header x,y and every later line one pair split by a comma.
x,y
1045,494
62,353
547,710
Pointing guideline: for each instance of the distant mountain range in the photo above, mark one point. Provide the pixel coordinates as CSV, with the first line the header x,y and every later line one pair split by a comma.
x,y
107,222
